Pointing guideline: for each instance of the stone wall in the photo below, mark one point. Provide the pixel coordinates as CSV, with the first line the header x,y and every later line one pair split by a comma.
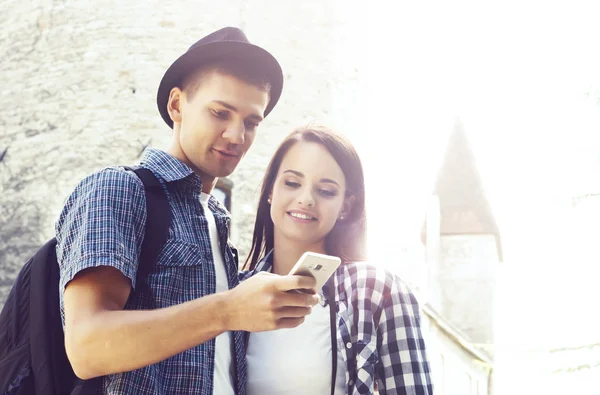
x,y
78,87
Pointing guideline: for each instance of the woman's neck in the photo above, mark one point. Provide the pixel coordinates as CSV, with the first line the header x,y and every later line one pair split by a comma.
x,y
286,253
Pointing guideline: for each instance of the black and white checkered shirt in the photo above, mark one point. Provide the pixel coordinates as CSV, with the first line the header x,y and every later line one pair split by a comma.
x,y
379,334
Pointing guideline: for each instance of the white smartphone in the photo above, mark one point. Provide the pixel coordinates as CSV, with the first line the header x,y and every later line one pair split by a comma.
x,y
319,266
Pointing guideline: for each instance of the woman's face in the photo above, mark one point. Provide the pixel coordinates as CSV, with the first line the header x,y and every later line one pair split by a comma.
x,y
308,194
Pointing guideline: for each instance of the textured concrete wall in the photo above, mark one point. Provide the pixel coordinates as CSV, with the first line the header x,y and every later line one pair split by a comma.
x,y
78,86
466,279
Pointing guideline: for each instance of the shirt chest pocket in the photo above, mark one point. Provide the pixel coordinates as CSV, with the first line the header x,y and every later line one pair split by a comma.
x,y
182,274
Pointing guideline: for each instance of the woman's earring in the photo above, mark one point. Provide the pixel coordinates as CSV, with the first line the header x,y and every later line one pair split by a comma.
x,y
269,200
341,217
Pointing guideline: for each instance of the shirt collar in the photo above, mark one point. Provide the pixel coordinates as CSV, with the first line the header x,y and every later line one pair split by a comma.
x,y
166,166
171,169
265,264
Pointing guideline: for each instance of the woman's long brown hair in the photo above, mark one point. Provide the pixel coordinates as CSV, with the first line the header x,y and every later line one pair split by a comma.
x,y
348,237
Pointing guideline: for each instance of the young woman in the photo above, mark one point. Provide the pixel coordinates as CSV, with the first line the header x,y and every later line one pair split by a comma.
x,y
313,199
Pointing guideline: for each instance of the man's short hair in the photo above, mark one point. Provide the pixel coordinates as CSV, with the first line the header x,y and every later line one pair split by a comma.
x,y
238,69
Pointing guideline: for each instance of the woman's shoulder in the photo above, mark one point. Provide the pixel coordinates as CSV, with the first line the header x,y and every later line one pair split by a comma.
x,y
368,278
365,272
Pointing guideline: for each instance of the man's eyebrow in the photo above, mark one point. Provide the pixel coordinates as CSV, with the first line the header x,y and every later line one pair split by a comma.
x,y
228,106
325,180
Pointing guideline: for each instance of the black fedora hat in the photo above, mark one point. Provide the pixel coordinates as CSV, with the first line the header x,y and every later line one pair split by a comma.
x,y
225,43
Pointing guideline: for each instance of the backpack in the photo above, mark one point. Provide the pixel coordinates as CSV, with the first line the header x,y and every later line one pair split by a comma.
x,y
33,359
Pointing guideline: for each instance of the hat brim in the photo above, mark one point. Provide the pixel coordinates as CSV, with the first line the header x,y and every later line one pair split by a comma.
x,y
195,58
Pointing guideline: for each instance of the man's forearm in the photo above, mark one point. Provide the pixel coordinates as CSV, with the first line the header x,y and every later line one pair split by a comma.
x,y
124,340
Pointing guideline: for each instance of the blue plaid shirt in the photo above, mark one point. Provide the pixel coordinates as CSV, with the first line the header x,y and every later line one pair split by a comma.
x,y
378,333
103,223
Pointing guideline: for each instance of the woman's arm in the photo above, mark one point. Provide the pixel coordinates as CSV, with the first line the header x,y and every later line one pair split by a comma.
x,y
404,368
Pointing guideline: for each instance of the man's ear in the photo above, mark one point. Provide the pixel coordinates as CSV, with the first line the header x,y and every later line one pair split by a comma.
x,y
347,207
176,98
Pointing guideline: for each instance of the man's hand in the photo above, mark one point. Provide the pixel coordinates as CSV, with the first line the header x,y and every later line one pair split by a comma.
x,y
263,303
96,324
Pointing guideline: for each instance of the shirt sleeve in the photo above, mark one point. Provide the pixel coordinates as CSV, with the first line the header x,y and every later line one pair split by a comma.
x,y
245,274
403,368
102,224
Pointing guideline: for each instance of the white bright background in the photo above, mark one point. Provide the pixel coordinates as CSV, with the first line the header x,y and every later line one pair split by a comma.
x,y
524,79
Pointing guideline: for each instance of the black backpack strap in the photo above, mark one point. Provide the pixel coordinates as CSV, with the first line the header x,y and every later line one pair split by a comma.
x,y
329,291
158,219
46,339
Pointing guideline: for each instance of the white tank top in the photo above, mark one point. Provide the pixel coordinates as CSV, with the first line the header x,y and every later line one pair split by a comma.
x,y
223,375
295,361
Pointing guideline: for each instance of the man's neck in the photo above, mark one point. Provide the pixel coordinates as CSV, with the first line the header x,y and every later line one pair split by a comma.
x,y
207,187
208,183
287,252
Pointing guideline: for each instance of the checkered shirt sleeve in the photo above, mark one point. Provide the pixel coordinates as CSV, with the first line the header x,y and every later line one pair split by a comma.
x,y
102,223
404,368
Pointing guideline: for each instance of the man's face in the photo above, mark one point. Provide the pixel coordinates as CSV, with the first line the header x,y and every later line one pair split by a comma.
x,y
215,127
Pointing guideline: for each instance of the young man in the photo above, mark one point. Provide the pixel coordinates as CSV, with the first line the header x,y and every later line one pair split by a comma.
x,y
181,333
